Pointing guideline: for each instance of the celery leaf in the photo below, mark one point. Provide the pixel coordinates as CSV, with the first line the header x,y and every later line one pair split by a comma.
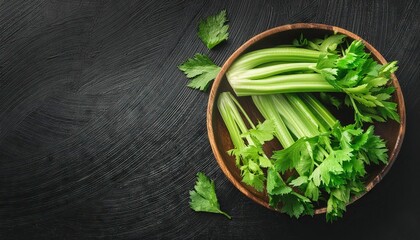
x,y
213,29
203,198
201,70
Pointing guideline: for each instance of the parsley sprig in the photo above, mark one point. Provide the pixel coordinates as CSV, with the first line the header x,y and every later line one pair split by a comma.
x,y
327,162
201,70
363,80
203,198
214,30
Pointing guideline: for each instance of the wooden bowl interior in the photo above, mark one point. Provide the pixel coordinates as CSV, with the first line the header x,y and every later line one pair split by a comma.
x,y
391,131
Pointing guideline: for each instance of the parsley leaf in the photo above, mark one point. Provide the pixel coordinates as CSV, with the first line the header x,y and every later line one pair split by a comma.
x,y
312,191
363,80
295,204
292,204
299,181
253,178
213,30
375,148
330,164
275,184
203,198
247,141
263,132
337,202
299,155
281,195
201,70
251,158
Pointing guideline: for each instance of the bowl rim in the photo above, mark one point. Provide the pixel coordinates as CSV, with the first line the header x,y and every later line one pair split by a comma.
x,y
213,94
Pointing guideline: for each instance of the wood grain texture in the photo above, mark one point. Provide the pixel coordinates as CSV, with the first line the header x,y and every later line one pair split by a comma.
x,y
100,137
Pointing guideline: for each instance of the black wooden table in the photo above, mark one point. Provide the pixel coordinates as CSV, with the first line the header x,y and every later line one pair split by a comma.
x,y
101,138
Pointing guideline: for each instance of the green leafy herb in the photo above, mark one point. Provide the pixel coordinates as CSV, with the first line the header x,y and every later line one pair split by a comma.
x,y
363,80
203,198
201,70
330,163
292,203
213,29
248,142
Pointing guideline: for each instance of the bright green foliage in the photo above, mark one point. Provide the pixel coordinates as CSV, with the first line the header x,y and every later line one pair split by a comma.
x,y
364,82
337,169
312,191
337,202
275,184
299,181
330,164
213,29
298,156
295,204
251,158
263,132
248,143
322,166
201,70
292,203
203,198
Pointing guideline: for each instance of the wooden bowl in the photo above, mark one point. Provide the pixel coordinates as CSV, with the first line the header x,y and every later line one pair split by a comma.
x,y
220,141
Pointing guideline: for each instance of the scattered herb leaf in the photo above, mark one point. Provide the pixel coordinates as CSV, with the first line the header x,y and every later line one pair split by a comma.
x,y
203,198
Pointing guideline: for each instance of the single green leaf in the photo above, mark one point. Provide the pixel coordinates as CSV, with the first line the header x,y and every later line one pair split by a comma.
x,y
253,180
203,198
200,70
388,69
312,191
265,162
250,152
213,29
342,155
375,147
351,79
254,167
275,184
297,155
263,131
358,167
337,202
299,181
352,55
331,43
326,169
316,176
326,61
330,166
295,205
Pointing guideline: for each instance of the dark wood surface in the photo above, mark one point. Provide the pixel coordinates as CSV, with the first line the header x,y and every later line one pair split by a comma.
x,y
101,138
